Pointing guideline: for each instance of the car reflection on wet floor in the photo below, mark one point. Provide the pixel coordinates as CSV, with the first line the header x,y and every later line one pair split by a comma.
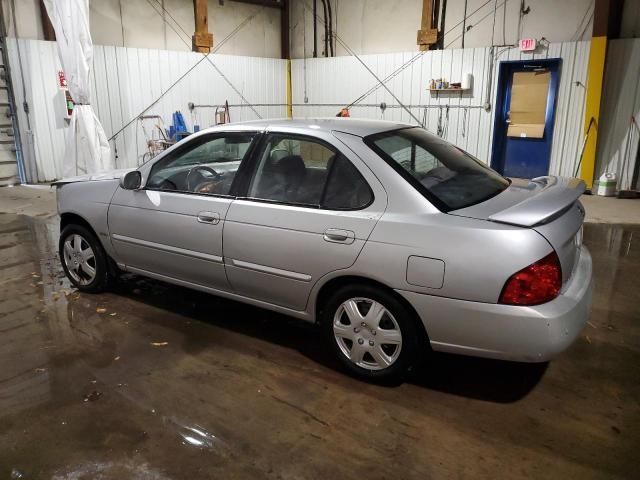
x,y
156,381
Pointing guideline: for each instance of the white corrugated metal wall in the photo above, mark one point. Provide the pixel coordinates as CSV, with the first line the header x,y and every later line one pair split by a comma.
x,y
329,83
618,136
125,81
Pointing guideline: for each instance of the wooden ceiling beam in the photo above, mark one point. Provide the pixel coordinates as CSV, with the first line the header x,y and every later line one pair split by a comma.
x,y
202,40
427,35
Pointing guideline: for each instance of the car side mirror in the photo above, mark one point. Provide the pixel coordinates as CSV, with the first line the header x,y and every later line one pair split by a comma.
x,y
131,181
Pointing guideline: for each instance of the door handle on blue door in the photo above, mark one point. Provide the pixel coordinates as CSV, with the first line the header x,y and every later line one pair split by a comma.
x,y
208,217
336,235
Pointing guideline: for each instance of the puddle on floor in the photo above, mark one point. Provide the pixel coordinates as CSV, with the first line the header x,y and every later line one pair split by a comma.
x,y
155,381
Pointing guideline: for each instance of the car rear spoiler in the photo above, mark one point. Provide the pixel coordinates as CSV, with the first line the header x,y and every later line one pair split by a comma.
x,y
555,196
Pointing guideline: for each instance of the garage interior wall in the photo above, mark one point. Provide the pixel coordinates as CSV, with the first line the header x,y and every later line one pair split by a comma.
x,y
127,80
619,133
148,24
461,118
386,26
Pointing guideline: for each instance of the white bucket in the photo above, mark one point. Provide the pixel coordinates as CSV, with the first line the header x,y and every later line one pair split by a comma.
x,y
467,81
607,184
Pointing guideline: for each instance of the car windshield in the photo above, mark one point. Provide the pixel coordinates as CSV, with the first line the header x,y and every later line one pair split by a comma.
x,y
449,177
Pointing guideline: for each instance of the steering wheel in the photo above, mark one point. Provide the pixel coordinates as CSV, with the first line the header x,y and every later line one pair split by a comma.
x,y
210,174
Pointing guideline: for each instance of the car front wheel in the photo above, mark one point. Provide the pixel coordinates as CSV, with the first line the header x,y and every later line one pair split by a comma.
x,y
371,332
83,259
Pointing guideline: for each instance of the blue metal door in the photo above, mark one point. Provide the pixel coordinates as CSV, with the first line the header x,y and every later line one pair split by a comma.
x,y
523,156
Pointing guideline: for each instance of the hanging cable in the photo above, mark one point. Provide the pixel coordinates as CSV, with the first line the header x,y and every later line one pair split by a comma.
x,y
205,57
351,52
504,22
464,22
153,4
326,28
465,111
208,59
411,60
331,40
481,20
121,20
336,22
446,121
580,30
493,27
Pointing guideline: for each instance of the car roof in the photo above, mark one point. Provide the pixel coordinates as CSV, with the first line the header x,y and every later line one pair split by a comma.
x,y
359,127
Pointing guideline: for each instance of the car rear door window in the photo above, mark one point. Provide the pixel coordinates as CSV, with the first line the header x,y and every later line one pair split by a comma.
x,y
206,165
449,177
346,188
303,171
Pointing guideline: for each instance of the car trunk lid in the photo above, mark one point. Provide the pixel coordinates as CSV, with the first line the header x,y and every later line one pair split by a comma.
x,y
549,205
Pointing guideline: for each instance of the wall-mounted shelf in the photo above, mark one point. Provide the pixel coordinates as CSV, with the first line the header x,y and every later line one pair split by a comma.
x,y
449,89
437,91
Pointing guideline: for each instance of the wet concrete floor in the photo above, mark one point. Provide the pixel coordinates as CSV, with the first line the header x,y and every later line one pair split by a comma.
x,y
158,382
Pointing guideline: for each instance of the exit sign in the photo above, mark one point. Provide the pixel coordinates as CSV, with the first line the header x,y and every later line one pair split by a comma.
x,y
527,44
62,80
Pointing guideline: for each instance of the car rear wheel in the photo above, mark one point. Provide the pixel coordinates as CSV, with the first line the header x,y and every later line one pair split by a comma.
x,y
83,259
370,332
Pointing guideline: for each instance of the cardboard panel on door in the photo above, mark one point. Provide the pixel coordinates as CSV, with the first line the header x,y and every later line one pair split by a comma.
x,y
527,112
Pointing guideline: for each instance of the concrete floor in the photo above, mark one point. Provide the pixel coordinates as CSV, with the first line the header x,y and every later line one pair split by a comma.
x,y
157,382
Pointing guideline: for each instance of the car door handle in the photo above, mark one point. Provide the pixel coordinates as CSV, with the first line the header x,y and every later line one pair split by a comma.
x,y
336,235
208,217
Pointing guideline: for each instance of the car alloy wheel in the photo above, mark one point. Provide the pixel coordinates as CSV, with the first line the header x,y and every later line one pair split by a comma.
x,y
367,333
80,259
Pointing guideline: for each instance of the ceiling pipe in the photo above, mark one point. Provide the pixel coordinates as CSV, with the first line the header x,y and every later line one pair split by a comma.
x,y
326,29
315,26
330,27
284,31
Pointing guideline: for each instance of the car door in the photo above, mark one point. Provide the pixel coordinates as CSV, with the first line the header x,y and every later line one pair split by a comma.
x,y
308,209
172,227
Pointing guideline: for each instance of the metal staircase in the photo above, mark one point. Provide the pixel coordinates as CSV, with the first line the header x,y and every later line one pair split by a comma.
x,y
11,165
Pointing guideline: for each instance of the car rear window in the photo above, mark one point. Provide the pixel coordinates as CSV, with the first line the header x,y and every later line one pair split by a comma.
x,y
449,177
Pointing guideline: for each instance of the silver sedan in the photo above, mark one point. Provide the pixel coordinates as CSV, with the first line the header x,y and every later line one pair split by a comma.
x,y
391,239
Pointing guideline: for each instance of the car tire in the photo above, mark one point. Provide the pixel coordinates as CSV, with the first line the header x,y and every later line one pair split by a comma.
x,y
84,261
375,357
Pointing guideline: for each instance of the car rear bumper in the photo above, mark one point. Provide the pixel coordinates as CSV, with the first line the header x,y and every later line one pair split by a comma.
x,y
525,334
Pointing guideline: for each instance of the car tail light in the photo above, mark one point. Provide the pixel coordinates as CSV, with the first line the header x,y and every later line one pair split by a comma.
x,y
538,283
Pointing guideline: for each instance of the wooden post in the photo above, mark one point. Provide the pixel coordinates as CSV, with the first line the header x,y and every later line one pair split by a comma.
x,y
202,39
427,35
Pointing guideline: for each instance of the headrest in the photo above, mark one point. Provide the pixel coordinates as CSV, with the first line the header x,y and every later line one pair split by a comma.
x,y
291,165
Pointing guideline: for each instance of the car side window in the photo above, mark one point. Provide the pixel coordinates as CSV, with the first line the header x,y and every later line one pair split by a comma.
x,y
206,165
346,188
303,171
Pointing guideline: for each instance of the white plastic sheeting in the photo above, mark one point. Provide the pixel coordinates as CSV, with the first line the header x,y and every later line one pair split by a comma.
x,y
340,80
124,81
87,149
